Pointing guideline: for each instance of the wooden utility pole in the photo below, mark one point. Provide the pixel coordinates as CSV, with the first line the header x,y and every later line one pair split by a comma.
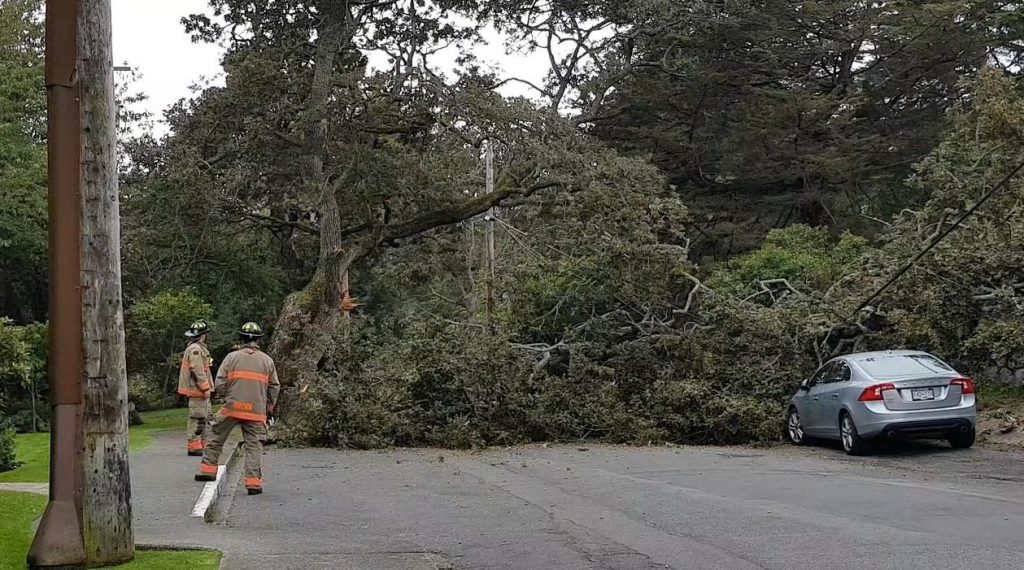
x,y
107,498
89,518
489,160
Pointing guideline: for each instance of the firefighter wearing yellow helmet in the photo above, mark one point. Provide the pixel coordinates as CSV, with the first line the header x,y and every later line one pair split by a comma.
x,y
195,382
247,379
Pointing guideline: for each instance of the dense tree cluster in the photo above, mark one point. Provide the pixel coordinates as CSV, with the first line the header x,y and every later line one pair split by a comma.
x,y
684,219
22,163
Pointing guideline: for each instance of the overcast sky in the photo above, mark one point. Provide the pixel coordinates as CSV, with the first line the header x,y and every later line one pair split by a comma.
x,y
149,36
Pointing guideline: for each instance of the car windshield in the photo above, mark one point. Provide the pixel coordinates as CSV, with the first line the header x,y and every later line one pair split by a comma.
x,y
903,365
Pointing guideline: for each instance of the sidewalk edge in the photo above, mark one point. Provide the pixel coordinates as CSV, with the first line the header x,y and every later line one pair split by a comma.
x,y
214,490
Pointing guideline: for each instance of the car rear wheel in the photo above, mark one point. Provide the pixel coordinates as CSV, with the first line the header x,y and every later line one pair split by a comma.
x,y
962,440
795,428
853,443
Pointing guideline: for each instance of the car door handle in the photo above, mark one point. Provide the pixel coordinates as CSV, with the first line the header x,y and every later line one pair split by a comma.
x,y
835,396
815,398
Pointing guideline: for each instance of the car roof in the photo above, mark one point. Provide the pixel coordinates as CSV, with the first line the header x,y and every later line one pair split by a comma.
x,y
878,353
860,359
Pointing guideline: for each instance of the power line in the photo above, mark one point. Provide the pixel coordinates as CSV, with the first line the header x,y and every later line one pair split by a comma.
x,y
938,239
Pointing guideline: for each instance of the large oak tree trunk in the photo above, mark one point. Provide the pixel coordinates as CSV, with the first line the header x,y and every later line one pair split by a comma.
x,y
310,317
106,502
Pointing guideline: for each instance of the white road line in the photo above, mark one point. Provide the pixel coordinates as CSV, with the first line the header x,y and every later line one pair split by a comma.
x,y
210,491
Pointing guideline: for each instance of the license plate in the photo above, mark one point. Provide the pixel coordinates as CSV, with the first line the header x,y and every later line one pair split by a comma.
x,y
922,394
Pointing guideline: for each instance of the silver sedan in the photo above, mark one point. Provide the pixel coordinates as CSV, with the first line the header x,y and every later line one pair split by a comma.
x,y
859,399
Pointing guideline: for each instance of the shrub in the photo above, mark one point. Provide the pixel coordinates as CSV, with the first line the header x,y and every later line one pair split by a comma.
x,y
8,461
804,256
155,326
154,341
147,393
23,384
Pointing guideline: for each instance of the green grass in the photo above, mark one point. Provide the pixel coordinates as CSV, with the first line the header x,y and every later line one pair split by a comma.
x,y
33,449
21,509
141,437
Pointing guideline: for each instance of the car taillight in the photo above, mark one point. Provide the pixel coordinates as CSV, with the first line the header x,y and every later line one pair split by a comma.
x,y
874,393
966,385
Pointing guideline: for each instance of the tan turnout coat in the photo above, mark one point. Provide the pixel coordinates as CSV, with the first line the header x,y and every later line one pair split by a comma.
x,y
195,379
248,381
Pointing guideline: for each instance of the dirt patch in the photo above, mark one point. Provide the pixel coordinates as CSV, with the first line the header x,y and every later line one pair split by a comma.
x,y
1002,427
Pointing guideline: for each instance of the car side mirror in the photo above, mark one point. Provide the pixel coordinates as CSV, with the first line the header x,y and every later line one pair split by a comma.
x,y
804,386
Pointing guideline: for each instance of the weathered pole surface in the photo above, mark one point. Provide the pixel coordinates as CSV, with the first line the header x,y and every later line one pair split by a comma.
x,y
58,541
106,502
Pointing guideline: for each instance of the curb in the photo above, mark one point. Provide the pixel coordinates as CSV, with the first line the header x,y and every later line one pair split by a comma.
x,y
214,490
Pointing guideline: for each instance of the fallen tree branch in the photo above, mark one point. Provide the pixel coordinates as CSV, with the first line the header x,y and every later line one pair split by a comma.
x,y
538,346
697,286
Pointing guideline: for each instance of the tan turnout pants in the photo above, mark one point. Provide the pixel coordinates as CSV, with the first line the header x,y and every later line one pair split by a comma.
x,y
253,434
199,417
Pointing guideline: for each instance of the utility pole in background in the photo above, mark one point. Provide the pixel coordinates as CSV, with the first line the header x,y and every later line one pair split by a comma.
x,y
89,519
489,160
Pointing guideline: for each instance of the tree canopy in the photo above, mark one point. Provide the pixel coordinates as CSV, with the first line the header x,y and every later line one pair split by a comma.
x,y
22,163
684,216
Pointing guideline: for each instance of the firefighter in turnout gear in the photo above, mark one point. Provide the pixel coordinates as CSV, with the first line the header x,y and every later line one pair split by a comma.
x,y
247,379
195,382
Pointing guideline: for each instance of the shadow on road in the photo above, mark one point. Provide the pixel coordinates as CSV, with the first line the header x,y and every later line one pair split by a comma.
x,y
899,449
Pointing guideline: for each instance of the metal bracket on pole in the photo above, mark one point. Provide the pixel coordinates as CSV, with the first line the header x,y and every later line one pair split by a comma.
x,y
59,541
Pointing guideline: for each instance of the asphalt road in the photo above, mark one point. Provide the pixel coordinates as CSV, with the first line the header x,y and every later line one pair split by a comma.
x,y
631,508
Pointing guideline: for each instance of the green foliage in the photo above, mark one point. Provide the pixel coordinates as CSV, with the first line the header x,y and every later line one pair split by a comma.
x,y
23,380
151,390
14,359
23,209
963,299
803,256
162,319
453,385
32,451
8,458
591,322
159,323
233,272
591,341
768,113
154,342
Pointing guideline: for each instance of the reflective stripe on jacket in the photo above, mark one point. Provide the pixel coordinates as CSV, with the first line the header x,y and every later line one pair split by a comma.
x,y
248,381
195,379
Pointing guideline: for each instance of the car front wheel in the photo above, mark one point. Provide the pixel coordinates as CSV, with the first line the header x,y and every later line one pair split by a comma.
x,y
795,428
853,443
